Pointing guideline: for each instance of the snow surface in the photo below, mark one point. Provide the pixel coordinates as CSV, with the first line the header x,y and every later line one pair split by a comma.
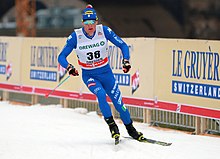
x,y
53,132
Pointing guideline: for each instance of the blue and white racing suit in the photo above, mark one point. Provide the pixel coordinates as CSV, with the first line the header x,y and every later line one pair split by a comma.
x,y
92,53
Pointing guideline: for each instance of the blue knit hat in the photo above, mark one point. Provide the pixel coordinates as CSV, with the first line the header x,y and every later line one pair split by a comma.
x,y
89,13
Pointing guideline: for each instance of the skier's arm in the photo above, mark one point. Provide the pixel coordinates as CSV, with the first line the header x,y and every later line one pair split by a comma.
x,y
70,45
116,40
67,49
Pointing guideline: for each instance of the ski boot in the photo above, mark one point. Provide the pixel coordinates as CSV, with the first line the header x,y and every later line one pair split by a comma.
x,y
134,133
113,129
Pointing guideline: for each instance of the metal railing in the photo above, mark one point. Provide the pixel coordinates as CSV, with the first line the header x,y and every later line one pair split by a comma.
x,y
213,126
157,117
173,119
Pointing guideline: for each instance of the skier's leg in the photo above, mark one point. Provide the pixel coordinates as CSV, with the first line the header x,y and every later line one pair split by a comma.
x,y
96,88
114,93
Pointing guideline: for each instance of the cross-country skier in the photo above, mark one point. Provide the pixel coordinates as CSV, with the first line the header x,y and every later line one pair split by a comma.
x,y
90,44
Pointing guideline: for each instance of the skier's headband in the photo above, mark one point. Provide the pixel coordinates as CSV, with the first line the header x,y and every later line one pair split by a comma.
x,y
89,14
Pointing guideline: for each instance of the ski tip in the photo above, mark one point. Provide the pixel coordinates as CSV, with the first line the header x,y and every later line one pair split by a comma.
x,y
164,144
117,140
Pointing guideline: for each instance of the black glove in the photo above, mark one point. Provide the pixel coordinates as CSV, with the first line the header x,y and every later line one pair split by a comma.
x,y
126,65
72,71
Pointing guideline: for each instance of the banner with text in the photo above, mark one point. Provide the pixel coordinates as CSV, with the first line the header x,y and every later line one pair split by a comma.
x,y
138,82
10,52
187,72
40,67
169,74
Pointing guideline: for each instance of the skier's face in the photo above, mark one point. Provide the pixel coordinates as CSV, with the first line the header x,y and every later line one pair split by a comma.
x,y
90,26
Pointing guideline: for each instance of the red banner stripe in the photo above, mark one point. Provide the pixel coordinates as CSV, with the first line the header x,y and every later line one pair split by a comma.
x,y
200,111
148,103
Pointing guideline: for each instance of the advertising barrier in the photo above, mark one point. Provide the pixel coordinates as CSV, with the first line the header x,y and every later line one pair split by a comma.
x,y
10,68
187,73
175,75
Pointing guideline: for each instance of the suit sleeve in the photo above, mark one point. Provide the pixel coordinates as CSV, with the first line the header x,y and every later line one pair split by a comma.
x,y
67,49
117,41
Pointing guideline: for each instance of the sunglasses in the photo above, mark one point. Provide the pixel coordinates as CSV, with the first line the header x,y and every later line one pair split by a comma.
x,y
89,22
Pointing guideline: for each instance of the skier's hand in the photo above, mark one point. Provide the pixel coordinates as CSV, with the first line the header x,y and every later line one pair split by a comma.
x,y
72,71
126,65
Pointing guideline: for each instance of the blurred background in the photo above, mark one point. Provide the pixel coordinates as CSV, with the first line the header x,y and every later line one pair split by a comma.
x,y
197,19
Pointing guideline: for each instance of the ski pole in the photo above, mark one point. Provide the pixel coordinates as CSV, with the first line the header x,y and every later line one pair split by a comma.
x,y
51,92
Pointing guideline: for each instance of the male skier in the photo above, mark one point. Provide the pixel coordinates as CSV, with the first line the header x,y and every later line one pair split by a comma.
x,y
91,46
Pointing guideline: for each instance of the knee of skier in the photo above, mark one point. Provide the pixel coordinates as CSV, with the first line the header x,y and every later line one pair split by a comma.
x,y
100,93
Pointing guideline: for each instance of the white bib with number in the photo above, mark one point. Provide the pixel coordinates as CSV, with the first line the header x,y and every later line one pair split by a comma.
x,y
92,53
